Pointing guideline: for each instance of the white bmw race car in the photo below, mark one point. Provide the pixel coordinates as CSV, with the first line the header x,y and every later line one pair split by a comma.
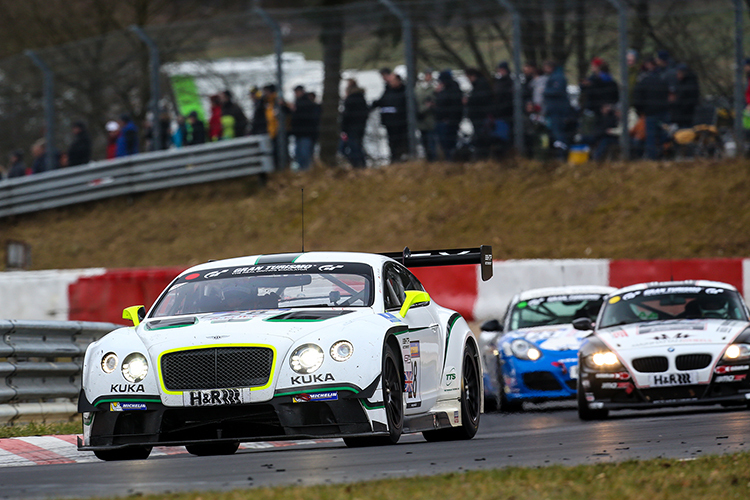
x,y
318,344
665,344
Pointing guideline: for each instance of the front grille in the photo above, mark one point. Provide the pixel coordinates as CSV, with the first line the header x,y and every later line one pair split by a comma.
x,y
216,368
693,361
653,364
541,381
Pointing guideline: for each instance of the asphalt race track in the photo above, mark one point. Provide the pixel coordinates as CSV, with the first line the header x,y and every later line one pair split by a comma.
x,y
534,438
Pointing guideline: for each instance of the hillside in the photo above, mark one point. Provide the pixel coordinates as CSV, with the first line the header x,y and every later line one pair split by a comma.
x,y
529,210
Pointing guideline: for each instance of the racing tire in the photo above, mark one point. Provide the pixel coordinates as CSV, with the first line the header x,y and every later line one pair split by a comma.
x,y
471,403
130,453
584,412
393,401
213,449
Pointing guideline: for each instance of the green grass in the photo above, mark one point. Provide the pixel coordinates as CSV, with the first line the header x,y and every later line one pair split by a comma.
x,y
710,478
35,429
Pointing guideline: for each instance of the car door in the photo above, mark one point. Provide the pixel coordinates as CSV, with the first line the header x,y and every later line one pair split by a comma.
x,y
420,346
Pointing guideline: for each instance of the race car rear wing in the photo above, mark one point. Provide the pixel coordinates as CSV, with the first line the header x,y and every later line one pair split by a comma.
x,y
451,257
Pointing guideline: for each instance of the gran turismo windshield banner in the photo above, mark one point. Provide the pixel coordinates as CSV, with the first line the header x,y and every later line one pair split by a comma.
x,y
277,269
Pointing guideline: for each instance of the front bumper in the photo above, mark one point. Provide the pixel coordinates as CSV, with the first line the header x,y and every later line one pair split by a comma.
x,y
539,380
620,392
280,418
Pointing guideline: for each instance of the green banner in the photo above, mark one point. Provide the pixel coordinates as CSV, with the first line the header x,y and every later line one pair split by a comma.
x,y
187,96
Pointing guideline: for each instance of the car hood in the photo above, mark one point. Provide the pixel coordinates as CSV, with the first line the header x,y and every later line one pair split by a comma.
x,y
683,332
281,327
551,338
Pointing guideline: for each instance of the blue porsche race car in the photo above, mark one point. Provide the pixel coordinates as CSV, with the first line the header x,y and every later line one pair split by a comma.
x,y
533,354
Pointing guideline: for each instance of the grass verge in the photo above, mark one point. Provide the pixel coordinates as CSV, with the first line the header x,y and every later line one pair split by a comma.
x,y
723,477
35,429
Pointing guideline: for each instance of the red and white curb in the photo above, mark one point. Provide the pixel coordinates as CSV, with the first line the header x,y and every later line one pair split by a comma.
x,y
50,450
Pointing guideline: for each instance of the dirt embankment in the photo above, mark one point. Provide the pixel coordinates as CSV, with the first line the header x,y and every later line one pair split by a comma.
x,y
528,210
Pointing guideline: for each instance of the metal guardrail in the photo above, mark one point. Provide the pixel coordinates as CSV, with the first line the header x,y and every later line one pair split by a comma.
x,y
40,363
136,174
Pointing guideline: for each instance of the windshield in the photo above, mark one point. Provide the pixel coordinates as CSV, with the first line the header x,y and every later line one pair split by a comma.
x,y
270,286
555,310
688,302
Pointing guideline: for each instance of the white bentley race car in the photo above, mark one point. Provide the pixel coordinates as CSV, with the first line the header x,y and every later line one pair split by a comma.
x,y
318,344
665,344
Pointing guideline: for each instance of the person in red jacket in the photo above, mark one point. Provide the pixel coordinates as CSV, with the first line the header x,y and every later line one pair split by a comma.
x,y
113,132
214,123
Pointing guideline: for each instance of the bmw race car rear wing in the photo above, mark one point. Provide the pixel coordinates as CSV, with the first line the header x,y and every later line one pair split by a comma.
x,y
452,257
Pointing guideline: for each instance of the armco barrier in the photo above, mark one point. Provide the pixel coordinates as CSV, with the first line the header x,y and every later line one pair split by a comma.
x,y
41,366
136,174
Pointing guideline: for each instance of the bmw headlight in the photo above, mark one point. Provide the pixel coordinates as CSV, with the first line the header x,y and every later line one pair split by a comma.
x,y
306,358
736,352
342,350
134,367
602,360
523,349
109,362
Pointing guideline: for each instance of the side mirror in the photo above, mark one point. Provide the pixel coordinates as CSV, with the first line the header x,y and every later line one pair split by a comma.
x,y
134,314
492,325
584,324
413,297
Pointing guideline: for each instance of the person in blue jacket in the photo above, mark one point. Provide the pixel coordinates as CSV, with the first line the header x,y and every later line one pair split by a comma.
x,y
127,142
557,108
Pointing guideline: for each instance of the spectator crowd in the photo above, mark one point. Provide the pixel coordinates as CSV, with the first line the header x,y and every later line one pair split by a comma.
x,y
452,124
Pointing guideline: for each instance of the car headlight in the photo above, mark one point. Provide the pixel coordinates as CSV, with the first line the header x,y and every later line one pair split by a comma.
x,y
134,367
109,362
525,350
736,352
306,358
602,360
342,350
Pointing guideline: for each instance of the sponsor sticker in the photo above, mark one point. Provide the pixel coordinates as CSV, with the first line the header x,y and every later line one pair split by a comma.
x,y
456,418
672,379
316,396
450,376
216,397
730,378
122,406
731,368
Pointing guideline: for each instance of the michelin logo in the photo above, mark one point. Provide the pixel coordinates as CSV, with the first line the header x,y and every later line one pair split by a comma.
x,y
127,406
318,396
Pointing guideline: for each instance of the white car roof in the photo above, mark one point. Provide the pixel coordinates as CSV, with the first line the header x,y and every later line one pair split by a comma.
x,y
563,290
663,284
374,260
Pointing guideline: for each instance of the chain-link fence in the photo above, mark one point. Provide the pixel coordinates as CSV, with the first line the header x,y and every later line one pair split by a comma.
x,y
98,79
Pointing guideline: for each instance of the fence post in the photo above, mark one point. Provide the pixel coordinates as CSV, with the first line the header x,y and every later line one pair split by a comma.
x,y
622,28
739,79
155,64
49,108
278,45
518,136
411,74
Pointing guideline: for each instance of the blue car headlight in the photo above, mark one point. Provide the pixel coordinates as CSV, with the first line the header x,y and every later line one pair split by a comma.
x,y
525,350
